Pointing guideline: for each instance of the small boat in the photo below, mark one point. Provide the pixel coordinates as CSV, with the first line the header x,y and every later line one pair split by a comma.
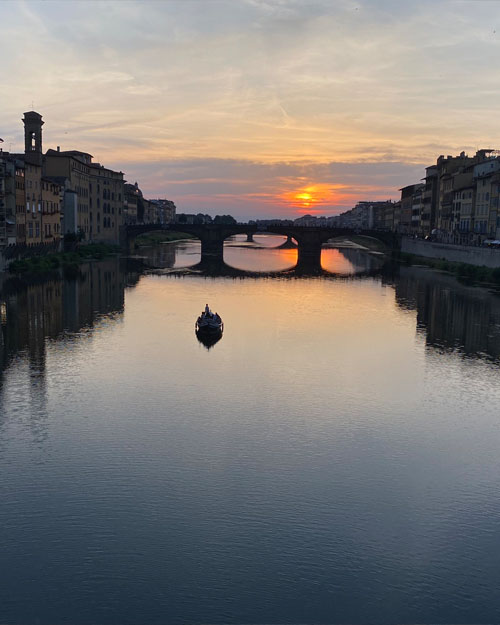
x,y
209,322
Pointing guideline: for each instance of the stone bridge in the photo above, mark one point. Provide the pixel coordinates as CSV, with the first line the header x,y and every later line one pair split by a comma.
x,y
212,236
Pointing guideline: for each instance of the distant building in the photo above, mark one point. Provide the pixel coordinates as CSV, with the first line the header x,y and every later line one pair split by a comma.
x,y
165,211
366,215
131,208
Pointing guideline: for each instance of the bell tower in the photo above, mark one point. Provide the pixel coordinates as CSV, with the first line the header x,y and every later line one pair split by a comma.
x,y
33,137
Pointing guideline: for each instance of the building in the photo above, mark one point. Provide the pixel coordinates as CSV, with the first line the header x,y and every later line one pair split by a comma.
x,y
72,166
46,197
405,215
33,203
106,202
10,168
150,213
20,227
429,201
51,211
417,209
3,206
165,211
486,176
367,215
132,195
33,159
463,209
33,195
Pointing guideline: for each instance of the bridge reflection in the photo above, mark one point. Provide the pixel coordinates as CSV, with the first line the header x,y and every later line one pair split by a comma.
x,y
36,316
244,259
309,240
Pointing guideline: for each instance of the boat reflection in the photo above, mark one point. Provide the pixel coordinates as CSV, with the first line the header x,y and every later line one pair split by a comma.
x,y
208,340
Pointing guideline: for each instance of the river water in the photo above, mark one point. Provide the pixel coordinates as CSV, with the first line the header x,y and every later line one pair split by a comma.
x,y
334,458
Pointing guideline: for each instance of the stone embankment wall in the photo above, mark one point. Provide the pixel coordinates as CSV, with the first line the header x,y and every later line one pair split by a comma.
x,y
17,252
456,253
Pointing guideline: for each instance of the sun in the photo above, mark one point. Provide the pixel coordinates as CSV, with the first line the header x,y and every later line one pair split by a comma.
x,y
306,199
316,198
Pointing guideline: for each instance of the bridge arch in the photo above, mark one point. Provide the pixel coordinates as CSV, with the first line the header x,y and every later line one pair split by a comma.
x,y
212,236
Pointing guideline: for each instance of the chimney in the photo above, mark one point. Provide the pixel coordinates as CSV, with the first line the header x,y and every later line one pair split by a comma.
x,y
58,148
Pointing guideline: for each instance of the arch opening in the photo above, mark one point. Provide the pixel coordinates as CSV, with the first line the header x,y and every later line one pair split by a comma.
x,y
266,253
164,250
347,256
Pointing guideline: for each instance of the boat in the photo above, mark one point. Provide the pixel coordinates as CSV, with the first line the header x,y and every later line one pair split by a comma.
x,y
209,323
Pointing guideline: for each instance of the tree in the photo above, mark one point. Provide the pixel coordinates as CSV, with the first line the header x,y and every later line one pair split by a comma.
x,y
224,219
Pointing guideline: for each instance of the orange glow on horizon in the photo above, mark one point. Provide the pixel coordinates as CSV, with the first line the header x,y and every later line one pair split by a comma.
x,y
315,198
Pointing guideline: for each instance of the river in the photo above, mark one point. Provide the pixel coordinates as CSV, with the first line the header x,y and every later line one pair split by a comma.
x,y
333,458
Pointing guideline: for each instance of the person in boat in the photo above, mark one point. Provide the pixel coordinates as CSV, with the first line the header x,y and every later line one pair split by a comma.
x,y
207,310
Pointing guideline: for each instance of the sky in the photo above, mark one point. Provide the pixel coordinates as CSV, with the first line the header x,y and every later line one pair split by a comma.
x,y
257,108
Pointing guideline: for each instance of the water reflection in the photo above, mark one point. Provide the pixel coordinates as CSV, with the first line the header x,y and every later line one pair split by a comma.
x,y
255,257
349,261
452,316
268,254
32,312
317,455
208,340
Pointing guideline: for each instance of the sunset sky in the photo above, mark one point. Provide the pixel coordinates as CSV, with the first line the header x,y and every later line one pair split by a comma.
x,y
256,107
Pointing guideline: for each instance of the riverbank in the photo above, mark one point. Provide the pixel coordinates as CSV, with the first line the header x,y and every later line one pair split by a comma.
x,y
154,238
358,242
470,255
64,260
470,274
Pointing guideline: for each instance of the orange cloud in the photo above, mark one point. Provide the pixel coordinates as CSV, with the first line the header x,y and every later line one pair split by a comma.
x,y
315,198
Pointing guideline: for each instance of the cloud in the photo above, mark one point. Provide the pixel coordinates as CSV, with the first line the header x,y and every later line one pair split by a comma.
x,y
140,83
247,188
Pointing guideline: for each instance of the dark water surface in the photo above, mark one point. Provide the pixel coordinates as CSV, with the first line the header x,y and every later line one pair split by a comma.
x,y
334,458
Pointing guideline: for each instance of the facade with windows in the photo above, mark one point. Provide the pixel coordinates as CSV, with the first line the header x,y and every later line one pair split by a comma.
x,y
51,211
106,201
33,197
75,167
3,224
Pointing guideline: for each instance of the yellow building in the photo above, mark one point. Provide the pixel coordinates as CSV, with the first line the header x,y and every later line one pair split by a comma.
x,y
51,211
106,204
75,167
33,195
20,204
